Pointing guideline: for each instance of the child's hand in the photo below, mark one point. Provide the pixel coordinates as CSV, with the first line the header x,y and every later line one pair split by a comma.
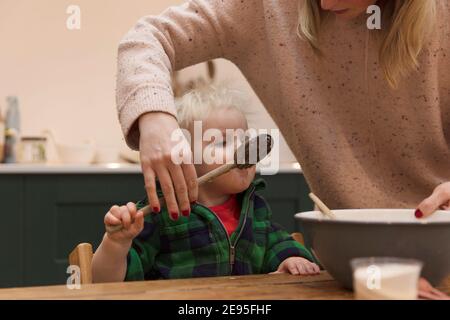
x,y
131,219
298,265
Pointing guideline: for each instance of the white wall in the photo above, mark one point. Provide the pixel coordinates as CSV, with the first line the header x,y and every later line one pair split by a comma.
x,y
65,79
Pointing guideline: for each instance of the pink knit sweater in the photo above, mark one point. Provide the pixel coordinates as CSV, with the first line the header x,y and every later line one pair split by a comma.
x,y
359,142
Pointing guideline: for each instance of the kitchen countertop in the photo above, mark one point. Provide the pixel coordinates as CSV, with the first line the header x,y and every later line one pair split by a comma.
x,y
108,168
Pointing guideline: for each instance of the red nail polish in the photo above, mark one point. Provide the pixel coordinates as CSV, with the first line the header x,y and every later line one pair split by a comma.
x,y
185,213
174,216
418,214
155,209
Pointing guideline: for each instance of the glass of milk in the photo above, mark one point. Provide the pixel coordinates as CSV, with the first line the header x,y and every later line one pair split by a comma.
x,y
380,278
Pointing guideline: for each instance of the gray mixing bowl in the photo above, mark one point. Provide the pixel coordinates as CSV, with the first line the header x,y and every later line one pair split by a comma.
x,y
378,233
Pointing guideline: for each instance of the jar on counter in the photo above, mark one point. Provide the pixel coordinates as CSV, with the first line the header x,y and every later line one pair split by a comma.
x,y
32,150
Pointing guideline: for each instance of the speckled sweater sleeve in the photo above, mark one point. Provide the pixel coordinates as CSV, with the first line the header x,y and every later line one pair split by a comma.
x,y
181,36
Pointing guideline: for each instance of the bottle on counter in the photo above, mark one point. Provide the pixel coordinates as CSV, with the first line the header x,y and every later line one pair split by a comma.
x,y
2,137
12,132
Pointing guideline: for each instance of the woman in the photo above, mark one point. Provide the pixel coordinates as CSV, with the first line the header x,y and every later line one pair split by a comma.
x,y
366,112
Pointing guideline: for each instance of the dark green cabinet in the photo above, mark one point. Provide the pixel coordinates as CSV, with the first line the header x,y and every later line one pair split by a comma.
x,y
287,194
62,211
44,216
12,231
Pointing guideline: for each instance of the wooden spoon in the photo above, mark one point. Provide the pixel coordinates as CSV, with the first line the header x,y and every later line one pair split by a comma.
x,y
322,207
259,146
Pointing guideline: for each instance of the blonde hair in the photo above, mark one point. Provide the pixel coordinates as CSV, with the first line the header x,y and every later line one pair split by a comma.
x,y
199,103
408,24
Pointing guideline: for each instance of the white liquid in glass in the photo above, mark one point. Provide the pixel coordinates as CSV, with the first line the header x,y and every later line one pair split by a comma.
x,y
386,281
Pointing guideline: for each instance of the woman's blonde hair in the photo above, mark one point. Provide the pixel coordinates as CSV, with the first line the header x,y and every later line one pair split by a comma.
x,y
199,103
408,24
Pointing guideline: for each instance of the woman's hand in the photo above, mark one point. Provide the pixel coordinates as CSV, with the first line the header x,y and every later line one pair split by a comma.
x,y
178,182
439,199
298,266
131,220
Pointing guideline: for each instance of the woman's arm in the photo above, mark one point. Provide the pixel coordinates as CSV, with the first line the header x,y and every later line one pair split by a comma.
x,y
181,36
197,31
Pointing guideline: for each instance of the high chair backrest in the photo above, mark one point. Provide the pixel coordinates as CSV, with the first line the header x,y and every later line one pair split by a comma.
x,y
297,236
81,256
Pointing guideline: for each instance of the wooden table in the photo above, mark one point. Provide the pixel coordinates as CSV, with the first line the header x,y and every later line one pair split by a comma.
x,y
258,287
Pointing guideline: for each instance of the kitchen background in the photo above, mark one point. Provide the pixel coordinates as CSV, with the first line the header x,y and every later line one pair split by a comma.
x,y
64,81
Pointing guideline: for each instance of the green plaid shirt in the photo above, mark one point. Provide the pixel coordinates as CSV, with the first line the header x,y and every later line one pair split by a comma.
x,y
199,246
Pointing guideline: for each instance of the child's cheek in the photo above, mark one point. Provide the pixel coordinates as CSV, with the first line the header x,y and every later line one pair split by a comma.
x,y
225,183
252,172
231,182
245,178
204,168
250,176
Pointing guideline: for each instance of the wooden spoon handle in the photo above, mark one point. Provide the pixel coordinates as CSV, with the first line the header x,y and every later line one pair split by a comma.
x,y
323,208
215,173
202,180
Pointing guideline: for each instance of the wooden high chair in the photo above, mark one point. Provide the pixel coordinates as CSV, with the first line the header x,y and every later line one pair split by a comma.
x,y
297,236
82,255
